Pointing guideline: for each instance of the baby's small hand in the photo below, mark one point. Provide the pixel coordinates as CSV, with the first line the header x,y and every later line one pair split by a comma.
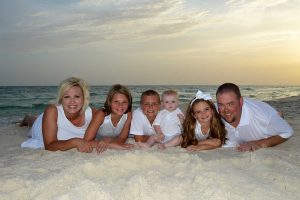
x,y
181,118
160,136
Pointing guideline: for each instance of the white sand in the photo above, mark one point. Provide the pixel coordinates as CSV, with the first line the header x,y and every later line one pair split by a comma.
x,y
271,173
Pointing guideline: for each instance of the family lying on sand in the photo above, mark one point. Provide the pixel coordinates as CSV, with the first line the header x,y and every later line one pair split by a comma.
x,y
239,122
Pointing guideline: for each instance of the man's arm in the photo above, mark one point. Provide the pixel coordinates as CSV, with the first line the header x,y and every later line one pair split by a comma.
x,y
263,143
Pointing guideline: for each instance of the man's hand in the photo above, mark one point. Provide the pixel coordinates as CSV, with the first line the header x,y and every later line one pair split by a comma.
x,y
159,137
248,146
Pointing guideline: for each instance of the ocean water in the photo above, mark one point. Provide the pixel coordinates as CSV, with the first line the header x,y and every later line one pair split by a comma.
x,y
17,101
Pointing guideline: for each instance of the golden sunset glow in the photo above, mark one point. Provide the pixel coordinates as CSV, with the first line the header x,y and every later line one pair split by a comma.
x,y
151,42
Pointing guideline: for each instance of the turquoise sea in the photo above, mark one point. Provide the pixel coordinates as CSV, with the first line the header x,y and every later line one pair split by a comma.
x,y
17,101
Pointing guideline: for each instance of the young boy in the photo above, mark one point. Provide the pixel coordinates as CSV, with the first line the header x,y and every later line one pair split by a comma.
x,y
168,123
143,117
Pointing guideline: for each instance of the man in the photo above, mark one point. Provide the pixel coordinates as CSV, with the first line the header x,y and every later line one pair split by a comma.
x,y
250,124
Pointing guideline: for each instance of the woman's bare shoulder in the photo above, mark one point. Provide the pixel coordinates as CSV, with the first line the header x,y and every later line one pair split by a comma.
x,y
50,109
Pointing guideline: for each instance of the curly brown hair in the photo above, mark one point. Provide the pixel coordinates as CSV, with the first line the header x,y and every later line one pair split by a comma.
x,y
217,127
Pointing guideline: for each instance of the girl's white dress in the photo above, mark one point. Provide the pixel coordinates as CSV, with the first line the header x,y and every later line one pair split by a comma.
x,y
107,129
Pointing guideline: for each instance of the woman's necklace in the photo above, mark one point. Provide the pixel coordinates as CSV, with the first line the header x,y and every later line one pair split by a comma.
x,y
205,130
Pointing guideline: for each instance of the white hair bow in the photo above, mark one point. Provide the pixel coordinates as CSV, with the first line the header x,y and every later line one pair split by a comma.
x,y
201,95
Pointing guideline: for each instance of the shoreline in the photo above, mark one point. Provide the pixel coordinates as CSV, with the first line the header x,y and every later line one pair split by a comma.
x,y
270,173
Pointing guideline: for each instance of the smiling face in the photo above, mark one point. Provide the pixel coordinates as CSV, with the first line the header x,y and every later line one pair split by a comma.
x,y
119,104
230,107
72,100
150,106
202,112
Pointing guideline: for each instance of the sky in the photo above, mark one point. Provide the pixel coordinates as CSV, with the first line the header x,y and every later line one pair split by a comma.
x,y
150,42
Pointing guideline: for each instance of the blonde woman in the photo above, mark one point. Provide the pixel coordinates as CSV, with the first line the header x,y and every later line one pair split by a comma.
x,y
62,126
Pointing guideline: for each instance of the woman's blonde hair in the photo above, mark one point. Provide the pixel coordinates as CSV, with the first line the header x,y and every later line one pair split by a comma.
x,y
71,82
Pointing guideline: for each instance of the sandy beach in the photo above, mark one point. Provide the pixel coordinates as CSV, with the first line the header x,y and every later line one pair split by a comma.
x,y
270,173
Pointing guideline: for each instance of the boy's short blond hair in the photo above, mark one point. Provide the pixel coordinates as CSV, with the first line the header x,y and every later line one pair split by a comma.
x,y
149,93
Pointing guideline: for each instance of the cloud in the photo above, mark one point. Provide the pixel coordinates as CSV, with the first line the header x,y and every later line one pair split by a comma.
x,y
95,21
249,26
243,27
249,12
245,4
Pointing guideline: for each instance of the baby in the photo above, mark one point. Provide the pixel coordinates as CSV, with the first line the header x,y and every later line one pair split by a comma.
x,y
168,123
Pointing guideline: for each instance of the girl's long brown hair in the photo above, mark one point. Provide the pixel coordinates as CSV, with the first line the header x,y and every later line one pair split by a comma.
x,y
217,127
121,89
